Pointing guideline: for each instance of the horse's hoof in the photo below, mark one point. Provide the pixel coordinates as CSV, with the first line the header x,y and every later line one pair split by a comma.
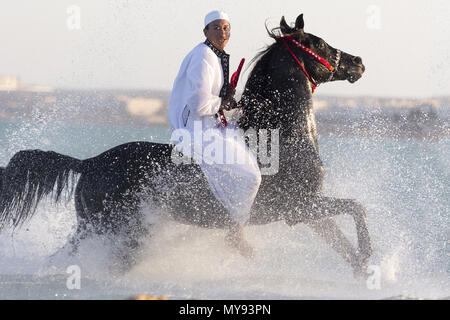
x,y
241,245
247,251
359,272
360,268
243,248
366,250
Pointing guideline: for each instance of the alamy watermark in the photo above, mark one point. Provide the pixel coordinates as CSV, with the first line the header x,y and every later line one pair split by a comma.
x,y
227,146
373,21
373,281
73,282
73,21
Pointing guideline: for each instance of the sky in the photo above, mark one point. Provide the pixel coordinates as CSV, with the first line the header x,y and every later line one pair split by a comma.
x,y
140,44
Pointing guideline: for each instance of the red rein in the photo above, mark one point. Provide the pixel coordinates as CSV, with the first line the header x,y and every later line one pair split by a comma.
x,y
233,83
235,77
311,53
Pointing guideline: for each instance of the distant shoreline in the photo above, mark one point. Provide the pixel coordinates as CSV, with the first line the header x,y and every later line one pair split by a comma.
x,y
361,116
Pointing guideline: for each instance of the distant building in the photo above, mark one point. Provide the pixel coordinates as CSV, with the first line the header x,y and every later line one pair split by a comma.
x,y
12,83
37,89
320,104
9,83
154,110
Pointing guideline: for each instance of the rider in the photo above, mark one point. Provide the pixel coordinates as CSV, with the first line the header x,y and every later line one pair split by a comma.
x,y
201,89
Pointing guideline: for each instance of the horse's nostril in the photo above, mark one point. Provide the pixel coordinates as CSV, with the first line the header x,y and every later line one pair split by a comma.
x,y
357,60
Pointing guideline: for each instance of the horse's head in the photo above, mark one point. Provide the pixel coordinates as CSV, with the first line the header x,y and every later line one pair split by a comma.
x,y
346,66
278,91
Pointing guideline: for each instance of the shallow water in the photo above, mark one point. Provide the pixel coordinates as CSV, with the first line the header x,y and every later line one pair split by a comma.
x,y
404,184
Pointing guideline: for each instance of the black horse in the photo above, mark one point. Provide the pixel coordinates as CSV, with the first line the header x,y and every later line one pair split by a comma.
x,y
113,186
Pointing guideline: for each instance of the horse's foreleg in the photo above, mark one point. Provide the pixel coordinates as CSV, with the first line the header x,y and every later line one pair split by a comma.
x,y
330,232
364,243
316,211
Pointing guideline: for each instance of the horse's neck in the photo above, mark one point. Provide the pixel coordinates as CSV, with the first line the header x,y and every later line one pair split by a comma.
x,y
285,104
300,127
295,120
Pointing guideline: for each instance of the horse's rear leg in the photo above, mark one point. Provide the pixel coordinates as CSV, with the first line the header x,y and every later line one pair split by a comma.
x,y
80,234
82,213
2,172
128,245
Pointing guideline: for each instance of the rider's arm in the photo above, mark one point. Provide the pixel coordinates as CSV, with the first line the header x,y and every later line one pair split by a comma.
x,y
200,75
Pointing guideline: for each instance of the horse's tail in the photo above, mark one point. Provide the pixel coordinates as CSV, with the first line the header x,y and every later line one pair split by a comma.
x,y
29,176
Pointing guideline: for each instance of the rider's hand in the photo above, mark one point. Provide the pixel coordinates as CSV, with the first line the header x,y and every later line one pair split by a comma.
x,y
228,102
231,91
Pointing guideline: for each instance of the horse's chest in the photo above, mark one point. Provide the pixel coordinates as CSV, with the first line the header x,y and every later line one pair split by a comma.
x,y
311,127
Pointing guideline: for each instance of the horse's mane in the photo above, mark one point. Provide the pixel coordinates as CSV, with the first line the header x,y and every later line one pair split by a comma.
x,y
274,33
258,102
254,88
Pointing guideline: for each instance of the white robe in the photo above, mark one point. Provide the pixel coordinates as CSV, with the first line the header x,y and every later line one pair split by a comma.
x,y
192,107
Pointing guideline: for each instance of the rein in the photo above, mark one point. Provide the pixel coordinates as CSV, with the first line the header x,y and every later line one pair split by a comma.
x,y
233,83
315,56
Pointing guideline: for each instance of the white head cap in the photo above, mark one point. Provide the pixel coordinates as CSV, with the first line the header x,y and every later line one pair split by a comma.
x,y
215,15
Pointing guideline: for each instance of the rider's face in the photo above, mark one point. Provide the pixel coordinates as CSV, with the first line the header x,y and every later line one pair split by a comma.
x,y
218,33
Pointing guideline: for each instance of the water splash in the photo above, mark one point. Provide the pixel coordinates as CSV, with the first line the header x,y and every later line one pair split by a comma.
x,y
401,182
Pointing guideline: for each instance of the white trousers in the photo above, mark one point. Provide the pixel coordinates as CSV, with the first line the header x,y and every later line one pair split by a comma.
x,y
229,166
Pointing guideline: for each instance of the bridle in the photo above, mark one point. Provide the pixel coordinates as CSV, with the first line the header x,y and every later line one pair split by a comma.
x,y
336,61
314,84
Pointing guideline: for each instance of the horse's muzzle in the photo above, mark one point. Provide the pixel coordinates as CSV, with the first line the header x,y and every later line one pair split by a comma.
x,y
357,70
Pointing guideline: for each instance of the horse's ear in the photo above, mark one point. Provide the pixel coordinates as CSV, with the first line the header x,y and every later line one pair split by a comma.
x,y
284,27
299,23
